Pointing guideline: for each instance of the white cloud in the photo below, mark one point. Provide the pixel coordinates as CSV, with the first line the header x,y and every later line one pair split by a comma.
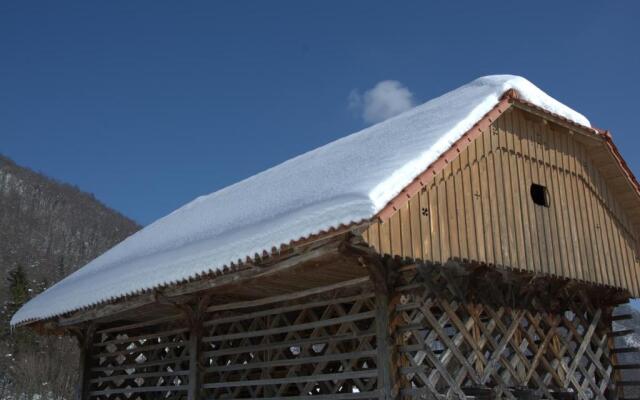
x,y
385,100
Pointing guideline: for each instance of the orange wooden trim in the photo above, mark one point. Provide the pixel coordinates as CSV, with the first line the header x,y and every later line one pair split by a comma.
x,y
508,98
621,162
419,182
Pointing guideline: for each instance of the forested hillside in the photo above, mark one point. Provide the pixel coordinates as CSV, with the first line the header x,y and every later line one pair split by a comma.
x,y
48,229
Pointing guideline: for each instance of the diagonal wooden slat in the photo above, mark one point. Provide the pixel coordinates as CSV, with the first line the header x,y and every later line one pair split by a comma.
x,y
470,330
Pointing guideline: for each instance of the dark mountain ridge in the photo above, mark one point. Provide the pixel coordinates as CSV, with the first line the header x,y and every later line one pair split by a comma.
x,y
52,228
48,229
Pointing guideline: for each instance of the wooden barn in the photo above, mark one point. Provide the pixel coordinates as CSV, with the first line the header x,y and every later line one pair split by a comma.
x,y
472,247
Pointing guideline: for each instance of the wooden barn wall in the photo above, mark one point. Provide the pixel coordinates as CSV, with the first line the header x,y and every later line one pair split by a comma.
x,y
480,208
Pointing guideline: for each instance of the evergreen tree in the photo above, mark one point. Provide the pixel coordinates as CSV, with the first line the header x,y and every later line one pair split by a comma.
x,y
18,295
60,269
18,287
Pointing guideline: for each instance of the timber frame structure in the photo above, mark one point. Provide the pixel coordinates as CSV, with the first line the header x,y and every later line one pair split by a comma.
x,y
493,275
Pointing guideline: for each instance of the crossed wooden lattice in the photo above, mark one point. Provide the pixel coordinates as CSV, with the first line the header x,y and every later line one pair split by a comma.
x,y
318,347
456,339
141,361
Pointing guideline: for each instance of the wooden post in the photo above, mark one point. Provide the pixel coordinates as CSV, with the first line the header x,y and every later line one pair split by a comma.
x,y
384,345
615,391
195,315
85,342
380,277
194,363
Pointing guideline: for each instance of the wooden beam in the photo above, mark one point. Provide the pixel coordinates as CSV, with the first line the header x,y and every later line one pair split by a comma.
x,y
85,342
384,345
195,366
623,332
380,276
206,283
288,296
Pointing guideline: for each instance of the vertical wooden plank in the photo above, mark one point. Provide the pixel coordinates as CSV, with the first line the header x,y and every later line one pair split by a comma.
x,y
499,200
541,155
492,200
488,231
470,240
597,226
395,233
633,265
616,239
443,218
537,210
505,195
425,223
515,191
460,210
568,216
416,225
595,272
620,253
435,213
524,181
626,250
459,165
557,206
405,231
374,236
607,232
385,237
616,257
452,211
583,240
624,242
476,199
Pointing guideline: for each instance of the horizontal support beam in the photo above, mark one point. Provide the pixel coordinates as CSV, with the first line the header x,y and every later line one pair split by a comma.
x,y
626,366
621,317
304,255
623,332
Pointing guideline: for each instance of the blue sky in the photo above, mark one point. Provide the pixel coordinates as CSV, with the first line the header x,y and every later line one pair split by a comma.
x,y
150,104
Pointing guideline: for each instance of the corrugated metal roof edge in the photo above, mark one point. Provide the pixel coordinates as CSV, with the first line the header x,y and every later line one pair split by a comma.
x,y
223,271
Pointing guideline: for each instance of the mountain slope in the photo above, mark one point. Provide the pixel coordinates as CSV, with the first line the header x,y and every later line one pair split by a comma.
x,y
52,228
48,229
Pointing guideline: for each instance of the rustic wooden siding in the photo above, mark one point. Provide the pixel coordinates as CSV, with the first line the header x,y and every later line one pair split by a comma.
x,y
480,208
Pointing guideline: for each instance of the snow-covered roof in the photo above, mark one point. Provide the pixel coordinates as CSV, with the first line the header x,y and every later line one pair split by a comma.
x,y
346,181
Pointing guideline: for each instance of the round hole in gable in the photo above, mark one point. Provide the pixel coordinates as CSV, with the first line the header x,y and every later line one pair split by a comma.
x,y
539,195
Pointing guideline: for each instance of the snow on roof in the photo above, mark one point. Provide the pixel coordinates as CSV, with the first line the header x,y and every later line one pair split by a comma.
x,y
346,181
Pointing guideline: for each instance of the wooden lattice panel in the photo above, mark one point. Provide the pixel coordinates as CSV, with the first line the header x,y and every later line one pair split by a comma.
x,y
140,361
323,346
457,338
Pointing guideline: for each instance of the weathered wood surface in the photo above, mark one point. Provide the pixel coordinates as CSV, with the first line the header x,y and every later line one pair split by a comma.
x,y
456,330
261,268
142,360
479,208
320,343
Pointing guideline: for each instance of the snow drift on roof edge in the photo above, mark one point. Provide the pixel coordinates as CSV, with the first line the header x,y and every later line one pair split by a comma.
x,y
346,181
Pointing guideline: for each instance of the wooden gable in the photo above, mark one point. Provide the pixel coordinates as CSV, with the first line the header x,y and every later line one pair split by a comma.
x,y
480,206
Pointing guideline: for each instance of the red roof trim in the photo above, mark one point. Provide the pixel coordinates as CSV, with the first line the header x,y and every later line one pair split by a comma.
x,y
621,162
419,182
